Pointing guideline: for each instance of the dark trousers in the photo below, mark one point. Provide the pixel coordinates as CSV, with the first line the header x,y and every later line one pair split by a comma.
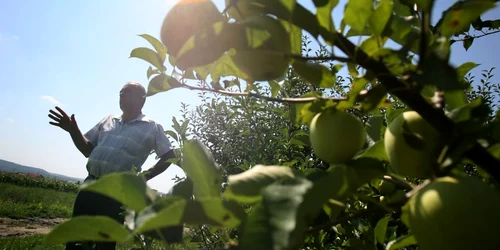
x,y
90,203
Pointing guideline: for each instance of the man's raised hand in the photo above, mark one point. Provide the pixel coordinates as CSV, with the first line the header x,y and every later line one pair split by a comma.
x,y
62,120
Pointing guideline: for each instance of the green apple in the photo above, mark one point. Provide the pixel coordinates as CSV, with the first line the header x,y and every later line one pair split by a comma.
x,y
336,136
185,19
261,65
262,54
412,145
454,213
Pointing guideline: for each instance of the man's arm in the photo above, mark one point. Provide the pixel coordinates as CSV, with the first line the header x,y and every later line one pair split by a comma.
x,y
160,166
69,124
81,142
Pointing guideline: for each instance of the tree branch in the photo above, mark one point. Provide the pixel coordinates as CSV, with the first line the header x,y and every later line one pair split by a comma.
x,y
355,215
268,98
473,37
397,181
322,58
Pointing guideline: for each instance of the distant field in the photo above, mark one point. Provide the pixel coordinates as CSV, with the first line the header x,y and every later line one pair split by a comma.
x,y
23,202
35,243
12,167
26,201
28,181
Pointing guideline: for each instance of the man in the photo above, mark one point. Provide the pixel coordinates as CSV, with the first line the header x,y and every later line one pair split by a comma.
x,y
115,144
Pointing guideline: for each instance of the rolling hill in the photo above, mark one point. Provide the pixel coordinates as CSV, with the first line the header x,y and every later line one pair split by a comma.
x,y
11,167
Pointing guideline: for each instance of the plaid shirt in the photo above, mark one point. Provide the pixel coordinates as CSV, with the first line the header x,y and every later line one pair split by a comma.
x,y
120,147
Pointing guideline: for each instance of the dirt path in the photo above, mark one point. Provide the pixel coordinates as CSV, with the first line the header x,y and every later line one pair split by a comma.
x,y
25,227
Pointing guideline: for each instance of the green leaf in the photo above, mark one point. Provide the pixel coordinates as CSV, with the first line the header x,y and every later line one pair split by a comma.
x,y
353,70
375,151
402,8
402,30
235,208
381,16
463,69
225,67
374,98
368,167
315,73
495,150
285,8
405,32
231,83
297,15
282,201
203,71
165,212
128,188
402,242
184,127
375,127
275,88
468,42
172,134
173,211
300,138
357,85
278,218
357,13
475,110
162,83
373,44
392,113
189,74
352,32
324,13
182,189
176,126
303,113
381,229
152,71
461,14
87,228
206,46
200,167
455,99
423,5
157,45
295,34
438,72
333,208
149,56
256,230
246,187
495,126
213,211
334,184
171,60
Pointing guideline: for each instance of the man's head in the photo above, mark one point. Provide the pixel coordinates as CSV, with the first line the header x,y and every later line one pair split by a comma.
x,y
132,97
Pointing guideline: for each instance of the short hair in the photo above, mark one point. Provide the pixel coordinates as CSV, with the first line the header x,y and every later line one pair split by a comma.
x,y
137,86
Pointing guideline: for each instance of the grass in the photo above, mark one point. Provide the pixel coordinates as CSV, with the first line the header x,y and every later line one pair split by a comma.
x,y
25,180
21,197
36,243
24,202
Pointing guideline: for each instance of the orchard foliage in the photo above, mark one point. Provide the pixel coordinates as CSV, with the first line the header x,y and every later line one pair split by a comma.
x,y
48,183
406,130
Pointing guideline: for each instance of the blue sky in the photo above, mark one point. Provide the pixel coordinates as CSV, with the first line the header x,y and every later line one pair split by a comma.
x,y
76,54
